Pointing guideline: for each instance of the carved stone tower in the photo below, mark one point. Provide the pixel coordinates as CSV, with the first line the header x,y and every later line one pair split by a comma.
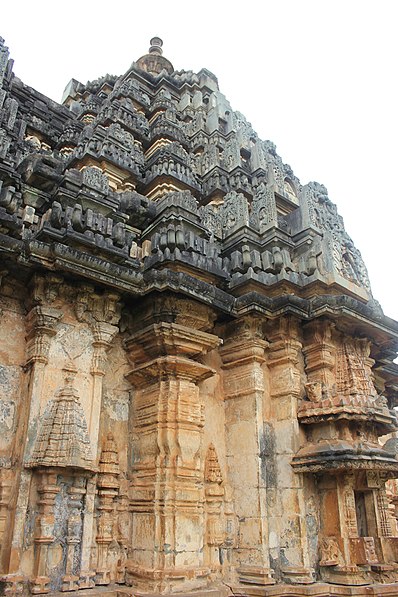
x,y
197,388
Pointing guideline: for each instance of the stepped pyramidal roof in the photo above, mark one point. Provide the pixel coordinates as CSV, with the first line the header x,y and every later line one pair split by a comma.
x,y
153,168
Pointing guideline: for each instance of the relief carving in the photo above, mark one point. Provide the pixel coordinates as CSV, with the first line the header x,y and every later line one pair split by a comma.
x,y
330,553
353,374
63,439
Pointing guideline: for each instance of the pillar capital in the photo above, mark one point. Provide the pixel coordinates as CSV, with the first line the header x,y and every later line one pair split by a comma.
x,y
41,323
168,339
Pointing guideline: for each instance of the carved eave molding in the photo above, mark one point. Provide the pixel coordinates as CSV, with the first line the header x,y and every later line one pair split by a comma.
x,y
343,456
169,339
385,419
169,367
343,308
348,313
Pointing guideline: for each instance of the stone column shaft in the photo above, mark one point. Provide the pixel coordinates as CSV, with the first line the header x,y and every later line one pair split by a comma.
x,y
103,336
167,490
44,534
287,515
244,393
41,324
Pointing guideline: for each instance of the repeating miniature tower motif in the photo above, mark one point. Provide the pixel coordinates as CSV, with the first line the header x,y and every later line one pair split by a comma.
x,y
197,388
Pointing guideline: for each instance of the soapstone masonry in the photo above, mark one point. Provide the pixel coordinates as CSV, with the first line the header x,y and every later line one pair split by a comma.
x,y
197,388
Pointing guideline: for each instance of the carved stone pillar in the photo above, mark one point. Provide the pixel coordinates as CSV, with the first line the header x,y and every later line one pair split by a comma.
x,y
214,496
41,323
6,482
86,574
384,524
123,530
287,515
74,533
104,333
108,486
44,533
245,414
102,313
319,353
167,473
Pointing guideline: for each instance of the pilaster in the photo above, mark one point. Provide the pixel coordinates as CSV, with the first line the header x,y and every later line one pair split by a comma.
x,y
108,489
245,414
287,516
76,493
44,533
220,528
102,314
320,355
167,494
41,325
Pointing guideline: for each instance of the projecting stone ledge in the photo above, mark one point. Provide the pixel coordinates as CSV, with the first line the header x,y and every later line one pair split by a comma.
x,y
282,590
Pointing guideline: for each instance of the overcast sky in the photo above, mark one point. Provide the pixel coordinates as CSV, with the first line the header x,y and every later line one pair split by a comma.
x,y
317,77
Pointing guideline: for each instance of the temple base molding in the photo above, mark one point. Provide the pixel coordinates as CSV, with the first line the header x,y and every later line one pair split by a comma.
x,y
280,590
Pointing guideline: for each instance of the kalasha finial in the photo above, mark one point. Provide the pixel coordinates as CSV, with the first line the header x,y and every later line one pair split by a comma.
x,y
156,46
69,372
154,62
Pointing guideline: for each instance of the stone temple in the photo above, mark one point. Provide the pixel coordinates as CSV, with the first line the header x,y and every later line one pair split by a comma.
x,y
197,388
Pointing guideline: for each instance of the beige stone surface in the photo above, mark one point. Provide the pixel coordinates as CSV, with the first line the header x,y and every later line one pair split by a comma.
x,y
190,472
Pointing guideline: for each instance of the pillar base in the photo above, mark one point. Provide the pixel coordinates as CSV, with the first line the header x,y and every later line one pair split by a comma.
x,y
347,575
102,577
298,575
253,575
70,583
166,580
12,584
38,585
86,580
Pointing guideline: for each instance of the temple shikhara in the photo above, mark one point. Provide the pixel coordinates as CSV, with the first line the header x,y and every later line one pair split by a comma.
x,y
197,388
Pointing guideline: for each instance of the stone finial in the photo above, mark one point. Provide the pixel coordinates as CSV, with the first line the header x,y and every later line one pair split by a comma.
x,y
156,46
154,62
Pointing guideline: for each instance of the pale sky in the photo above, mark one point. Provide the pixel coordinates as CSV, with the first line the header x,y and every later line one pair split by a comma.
x,y
316,77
